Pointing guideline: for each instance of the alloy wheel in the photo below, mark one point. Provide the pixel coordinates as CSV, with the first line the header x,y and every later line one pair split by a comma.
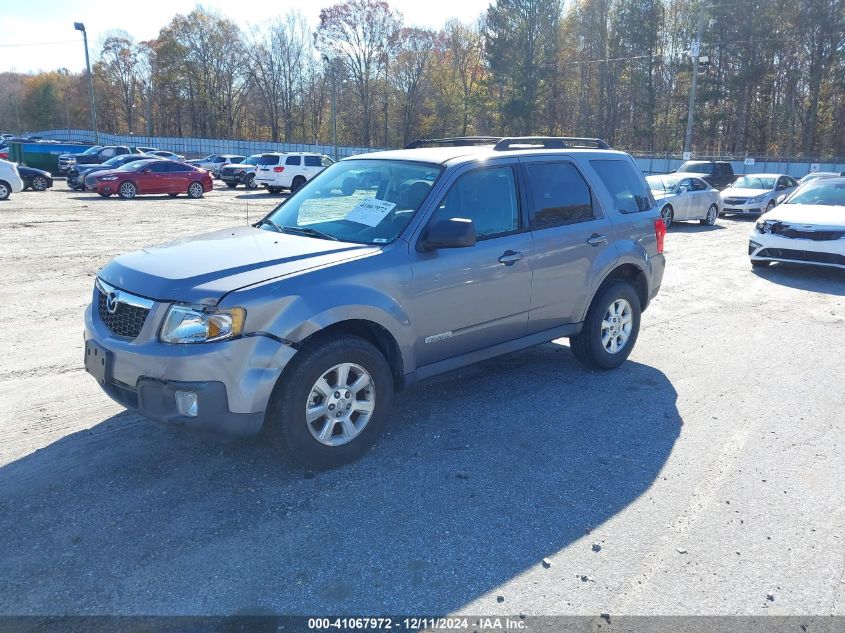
x,y
39,183
340,404
666,216
616,326
195,190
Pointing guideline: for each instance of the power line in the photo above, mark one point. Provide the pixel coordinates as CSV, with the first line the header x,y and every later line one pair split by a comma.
x,y
37,44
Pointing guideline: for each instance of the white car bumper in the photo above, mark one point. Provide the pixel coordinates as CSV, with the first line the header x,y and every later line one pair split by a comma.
x,y
821,251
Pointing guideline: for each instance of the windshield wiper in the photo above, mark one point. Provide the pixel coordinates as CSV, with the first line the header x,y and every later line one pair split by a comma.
x,y
271,223
307,230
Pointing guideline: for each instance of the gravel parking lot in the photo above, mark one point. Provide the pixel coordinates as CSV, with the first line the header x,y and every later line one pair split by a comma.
x,y
705,476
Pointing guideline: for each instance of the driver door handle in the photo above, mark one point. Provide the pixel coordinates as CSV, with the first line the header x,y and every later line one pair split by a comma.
x,y
596,240
509,258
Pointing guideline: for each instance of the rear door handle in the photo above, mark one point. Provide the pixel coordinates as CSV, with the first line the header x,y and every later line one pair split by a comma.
x,y
596,240
509,258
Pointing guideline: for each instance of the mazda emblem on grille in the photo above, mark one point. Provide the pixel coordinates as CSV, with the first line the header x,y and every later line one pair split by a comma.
x,y
111,302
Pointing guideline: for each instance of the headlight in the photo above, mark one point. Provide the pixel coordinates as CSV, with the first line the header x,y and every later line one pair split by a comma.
x,y
763,226
184,324
108,178
757,198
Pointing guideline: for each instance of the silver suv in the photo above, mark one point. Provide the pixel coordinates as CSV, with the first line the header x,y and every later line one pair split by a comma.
x,y
385,269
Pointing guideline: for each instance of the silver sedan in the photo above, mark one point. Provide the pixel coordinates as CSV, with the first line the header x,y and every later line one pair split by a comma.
x,y
682,197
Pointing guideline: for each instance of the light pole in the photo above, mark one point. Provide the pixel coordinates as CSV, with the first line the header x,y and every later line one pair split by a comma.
x,y
695,52
330,63
79,26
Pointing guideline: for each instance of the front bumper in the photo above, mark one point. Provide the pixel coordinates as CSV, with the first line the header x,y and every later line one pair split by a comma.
x,y
776,248
744,208
233,380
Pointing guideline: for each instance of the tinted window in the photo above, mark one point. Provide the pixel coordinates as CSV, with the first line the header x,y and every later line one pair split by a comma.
x,y
107,152
159,168
268,159
326,161
625,185
313,161
485,196
559,195
697,167
293,160
697,185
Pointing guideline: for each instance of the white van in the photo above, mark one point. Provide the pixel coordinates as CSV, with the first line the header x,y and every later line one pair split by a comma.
x,y
281,170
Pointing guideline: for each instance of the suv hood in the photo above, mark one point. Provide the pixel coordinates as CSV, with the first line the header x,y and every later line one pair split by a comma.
x,y
202,269
818,215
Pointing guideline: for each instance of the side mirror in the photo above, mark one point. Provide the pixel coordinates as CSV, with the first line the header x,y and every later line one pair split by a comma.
x,y
147,170
453,233
780,198
780,187
683,189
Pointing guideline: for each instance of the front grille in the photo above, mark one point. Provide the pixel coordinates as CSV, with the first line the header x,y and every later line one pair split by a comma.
x,y
735,200
784,230
803,256
126,321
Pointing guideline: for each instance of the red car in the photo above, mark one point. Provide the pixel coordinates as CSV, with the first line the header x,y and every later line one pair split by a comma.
x,y
151,176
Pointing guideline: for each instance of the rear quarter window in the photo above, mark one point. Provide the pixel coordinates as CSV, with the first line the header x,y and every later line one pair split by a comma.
x,y
628,190
268,159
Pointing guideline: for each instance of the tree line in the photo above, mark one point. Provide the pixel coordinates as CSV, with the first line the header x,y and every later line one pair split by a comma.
x,y
772,77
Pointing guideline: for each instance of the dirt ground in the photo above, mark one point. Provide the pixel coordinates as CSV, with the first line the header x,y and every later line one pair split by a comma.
x,y
705,476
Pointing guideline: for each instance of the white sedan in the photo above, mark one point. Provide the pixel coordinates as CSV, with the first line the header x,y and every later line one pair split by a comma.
x,y
10,179
808,228
682,197
757,193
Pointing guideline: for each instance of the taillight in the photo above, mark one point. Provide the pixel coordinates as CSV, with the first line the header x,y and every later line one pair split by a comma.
x,y
659,233
278,170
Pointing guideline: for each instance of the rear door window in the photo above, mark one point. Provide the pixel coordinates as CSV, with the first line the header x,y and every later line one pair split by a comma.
x,y
628,190
313,161
293,160
559,195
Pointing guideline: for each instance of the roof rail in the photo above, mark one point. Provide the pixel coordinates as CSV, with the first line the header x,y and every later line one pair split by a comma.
x,y
455,141
551,142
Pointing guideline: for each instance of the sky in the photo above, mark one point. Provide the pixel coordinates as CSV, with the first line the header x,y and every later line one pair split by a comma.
x,y
39,35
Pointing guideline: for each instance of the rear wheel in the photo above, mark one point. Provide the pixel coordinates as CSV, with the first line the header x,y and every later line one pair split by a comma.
x,y
250,182
195,190
667,215
274,190
5,190
39,183
127,190
231,185
331,403
610,329
297,183
712,214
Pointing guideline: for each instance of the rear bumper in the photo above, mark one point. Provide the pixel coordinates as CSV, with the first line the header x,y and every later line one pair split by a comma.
x,y
658,267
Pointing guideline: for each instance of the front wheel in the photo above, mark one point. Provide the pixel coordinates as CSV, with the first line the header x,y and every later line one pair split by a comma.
x,y
103,194
231,185
250,183
5,190
712,214
667,215
39,183
127,190
195,190
770,206
297,183
274,190
331,403
610,329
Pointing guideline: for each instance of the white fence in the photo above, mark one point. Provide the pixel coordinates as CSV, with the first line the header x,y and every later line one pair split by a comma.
x,y
193,147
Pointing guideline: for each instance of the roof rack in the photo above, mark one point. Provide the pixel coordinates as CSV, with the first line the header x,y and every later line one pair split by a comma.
x,y
455,141
550,142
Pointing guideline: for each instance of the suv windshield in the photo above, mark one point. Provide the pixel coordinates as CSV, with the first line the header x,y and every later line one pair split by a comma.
x,y
696,167
368,201
754,182
252,160
820,192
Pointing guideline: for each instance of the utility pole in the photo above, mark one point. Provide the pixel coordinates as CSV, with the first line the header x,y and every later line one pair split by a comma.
x,y
79,26
694,53
330,63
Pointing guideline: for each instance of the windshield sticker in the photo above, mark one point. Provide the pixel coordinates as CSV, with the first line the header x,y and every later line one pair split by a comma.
x,y
370,211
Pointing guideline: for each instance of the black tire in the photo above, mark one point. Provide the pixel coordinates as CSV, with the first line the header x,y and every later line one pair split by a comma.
x,y
587,346
127,190
231,185
195,189
250,182
39,183
105,195
760,263
285,423
712,216
5,190
297,183
770,206
274,190
667,214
